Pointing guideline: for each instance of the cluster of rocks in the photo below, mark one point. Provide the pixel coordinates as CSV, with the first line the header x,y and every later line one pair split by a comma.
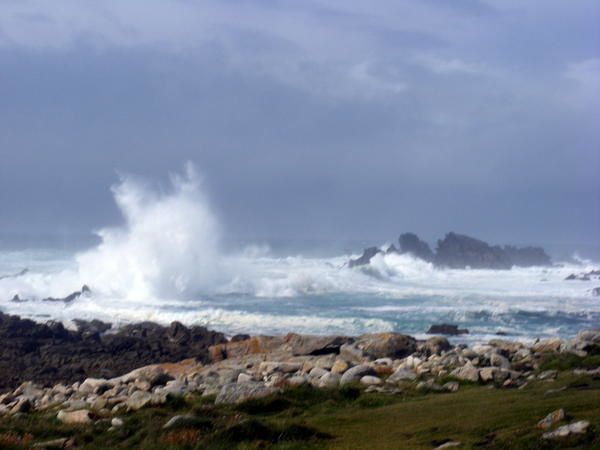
x,y
550,421
49,353
84,292
458,251
592,275
253,367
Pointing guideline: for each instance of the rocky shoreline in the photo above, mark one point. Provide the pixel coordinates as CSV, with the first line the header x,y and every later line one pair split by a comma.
x,y
246,368
49,353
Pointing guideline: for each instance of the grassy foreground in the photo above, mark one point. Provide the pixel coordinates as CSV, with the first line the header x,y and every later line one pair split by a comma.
x,y
305,418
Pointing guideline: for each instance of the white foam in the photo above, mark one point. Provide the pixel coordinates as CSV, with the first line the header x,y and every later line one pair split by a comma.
x,y
168,245
164,263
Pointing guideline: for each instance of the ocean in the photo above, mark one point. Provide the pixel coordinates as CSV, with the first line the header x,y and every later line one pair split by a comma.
x,y
167,261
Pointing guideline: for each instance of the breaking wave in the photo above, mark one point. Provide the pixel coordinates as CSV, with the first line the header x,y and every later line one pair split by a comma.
x,y
165,262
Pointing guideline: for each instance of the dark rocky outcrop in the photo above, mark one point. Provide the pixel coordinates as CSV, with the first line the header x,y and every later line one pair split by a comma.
x,y
49,353
591,275
527,256
447,329
69,298
365,258
458,251
15,275
410,243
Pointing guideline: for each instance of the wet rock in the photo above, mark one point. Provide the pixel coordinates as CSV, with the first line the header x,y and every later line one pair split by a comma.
x,y
238,393
447,329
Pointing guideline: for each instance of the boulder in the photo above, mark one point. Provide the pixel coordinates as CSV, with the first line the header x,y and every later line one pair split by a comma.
x,y
402,374
579,427
329,381
182,421
116,422
254,346
297,380
382,345
79,417
497,360
139,400
551,419
315,345
339,366
350,352
451,386
370,380
95,385
354,374
447,329
468,372
435,345
239,393
53,443
547,345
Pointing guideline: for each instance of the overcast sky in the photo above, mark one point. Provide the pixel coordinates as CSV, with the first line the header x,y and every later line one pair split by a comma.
x,y
308,119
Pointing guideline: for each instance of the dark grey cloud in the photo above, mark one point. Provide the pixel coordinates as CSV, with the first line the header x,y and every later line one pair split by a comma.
x,y
308,119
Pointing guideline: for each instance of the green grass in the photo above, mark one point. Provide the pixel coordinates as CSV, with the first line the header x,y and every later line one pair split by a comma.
x,y
307,418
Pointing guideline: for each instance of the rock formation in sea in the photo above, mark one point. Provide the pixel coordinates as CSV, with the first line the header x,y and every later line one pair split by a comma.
x,y
458,251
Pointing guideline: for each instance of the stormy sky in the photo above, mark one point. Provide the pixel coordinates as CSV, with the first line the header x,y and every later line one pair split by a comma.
x,y
308,119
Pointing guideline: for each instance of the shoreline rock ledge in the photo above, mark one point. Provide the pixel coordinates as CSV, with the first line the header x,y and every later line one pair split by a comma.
x,y
247,368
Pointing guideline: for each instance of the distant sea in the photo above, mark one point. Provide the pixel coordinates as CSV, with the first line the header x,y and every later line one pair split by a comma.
x,y
282,286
